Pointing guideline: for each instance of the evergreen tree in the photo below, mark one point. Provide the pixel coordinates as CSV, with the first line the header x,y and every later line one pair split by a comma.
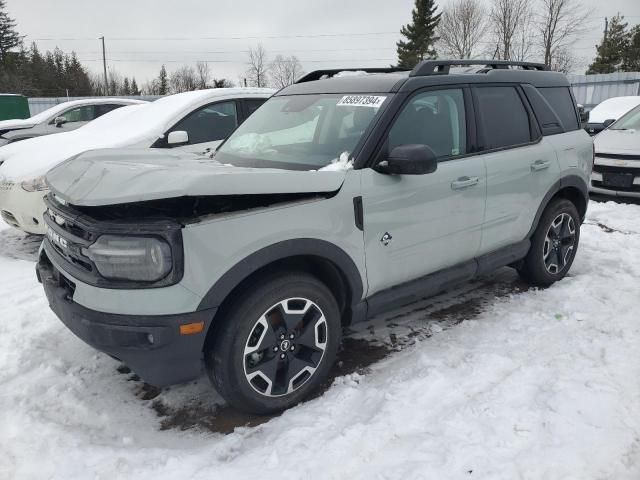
x,y
134,87
126,87
610,54
631,61
163,81
419,34
9,37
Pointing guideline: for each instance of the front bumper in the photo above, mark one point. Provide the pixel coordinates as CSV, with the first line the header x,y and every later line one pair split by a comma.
x,y
21,209
151,345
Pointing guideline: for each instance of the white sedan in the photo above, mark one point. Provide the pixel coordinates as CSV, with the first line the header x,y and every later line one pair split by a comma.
x,y
193,122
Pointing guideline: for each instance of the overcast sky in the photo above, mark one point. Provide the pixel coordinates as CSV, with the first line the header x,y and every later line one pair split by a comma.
x,y
141,35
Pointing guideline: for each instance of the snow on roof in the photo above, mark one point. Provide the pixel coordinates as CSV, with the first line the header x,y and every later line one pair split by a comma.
x,y
613,108
132,126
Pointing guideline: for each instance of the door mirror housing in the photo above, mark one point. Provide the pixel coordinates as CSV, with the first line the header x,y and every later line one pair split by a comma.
x,y
179,137
608,122
59,121
412,159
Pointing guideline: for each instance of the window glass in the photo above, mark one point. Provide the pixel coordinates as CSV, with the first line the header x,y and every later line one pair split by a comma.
x,y
435,119
630,121
560,100
211,123
80,114
102,109
302,132
253,104
504,120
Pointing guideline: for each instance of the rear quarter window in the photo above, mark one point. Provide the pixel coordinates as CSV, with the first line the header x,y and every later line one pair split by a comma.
x,y
561,101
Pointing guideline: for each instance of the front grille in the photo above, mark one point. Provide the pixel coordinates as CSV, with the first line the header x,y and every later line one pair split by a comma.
x,y
615,169
618,156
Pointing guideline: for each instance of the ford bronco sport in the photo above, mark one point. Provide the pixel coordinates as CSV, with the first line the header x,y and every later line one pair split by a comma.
x,y
342,196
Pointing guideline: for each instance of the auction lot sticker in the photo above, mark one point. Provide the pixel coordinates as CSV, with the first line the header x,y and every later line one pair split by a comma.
x,y
361,101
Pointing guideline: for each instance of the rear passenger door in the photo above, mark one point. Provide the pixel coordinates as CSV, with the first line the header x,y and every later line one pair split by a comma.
x,y
521,167
417,224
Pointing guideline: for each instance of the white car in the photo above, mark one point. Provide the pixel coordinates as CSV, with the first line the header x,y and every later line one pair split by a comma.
x,y
64,117
616,169
194,122
607,112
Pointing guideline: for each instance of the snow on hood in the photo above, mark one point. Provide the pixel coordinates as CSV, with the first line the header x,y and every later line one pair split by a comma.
x,y
131,126
613,108
618,142
109,177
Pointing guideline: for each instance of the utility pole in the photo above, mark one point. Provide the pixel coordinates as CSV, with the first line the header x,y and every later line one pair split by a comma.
x,y
104,64
606,30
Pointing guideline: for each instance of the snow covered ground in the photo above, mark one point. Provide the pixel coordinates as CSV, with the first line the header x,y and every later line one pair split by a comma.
x,y
493,380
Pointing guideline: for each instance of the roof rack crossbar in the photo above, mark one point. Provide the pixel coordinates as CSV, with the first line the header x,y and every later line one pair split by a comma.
x,y
328,73
441,67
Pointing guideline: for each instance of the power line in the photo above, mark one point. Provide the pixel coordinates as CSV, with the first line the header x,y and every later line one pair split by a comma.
x,y
244,37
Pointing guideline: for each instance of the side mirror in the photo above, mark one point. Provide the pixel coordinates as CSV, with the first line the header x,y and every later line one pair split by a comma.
x,y
179,137
59,121
584,115
608,122
412,159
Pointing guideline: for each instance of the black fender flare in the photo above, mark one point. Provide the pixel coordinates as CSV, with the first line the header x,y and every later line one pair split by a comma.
x,y
567,181
280,251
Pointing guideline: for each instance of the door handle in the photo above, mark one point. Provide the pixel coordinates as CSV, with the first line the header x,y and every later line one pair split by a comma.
x,y
464,182
540,165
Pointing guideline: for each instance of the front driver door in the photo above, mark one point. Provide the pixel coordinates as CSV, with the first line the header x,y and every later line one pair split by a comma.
x,y
418,224
208,126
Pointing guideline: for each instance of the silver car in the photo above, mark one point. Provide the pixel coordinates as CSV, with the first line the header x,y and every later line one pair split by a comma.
x,y
341,197
616,170
64,117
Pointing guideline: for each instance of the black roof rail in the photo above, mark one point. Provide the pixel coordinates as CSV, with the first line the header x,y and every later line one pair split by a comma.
x,y
441,67
319,74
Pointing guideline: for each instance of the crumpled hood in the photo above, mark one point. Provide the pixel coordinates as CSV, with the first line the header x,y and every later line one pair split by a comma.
x,y
115,176
625,142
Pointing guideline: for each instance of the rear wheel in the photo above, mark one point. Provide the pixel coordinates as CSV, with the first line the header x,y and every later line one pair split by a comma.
x,y
554,244
276,344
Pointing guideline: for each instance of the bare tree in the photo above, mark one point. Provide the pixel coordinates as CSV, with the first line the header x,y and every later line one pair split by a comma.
x,y
183,80
508,25
462,26
558,24
222,83
523,45
258,69
203,74
562,60
285,71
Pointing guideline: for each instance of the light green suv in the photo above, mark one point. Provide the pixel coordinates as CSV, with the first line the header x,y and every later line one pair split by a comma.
x,y
343,195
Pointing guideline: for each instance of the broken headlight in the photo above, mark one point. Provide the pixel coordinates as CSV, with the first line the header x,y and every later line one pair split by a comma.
x,y
35,185
143,259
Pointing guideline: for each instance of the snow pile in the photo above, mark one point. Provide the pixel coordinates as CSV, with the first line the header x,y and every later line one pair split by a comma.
x,y
339,164
542,384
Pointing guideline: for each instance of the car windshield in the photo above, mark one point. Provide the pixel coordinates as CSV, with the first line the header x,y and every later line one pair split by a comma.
x,y
301,132
630,121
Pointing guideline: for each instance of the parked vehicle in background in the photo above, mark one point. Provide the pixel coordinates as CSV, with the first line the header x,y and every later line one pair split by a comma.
x,y
13,107
338,199
616,170
187,122
607,112
64,117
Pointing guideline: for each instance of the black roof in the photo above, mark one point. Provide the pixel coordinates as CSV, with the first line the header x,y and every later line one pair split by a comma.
x,y
427,73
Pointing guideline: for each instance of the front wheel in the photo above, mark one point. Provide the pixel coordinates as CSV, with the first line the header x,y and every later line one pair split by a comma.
x,y
554,244
276,344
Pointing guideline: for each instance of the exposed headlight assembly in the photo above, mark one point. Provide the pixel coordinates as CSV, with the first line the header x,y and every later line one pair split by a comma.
x,y
35,185
142,259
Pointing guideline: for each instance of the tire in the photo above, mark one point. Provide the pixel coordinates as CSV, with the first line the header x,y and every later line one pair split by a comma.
x,y
553,245
275,344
